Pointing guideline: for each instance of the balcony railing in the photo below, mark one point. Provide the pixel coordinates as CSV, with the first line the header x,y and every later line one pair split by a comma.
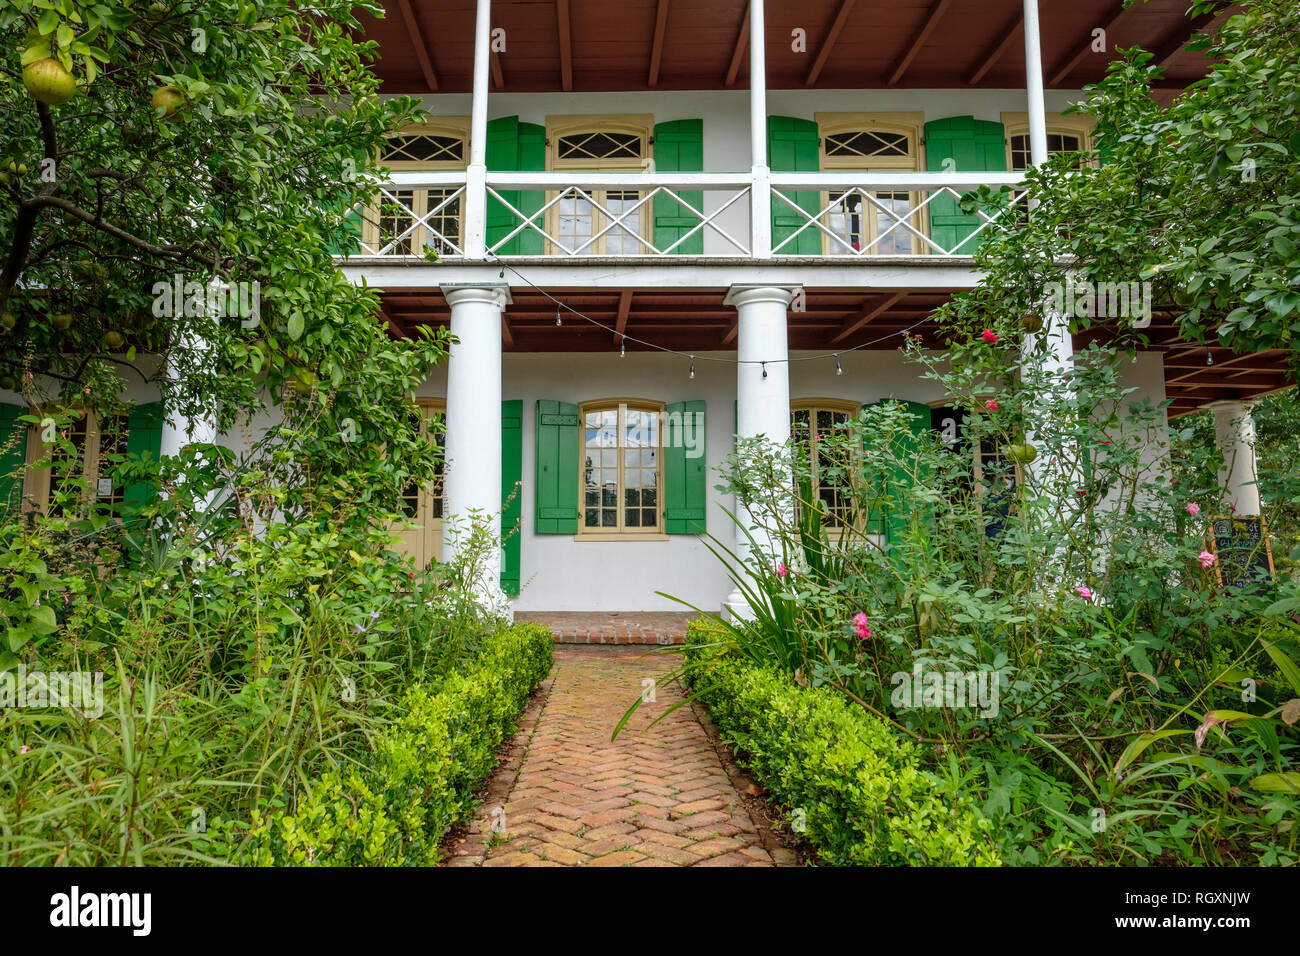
x,y
573,215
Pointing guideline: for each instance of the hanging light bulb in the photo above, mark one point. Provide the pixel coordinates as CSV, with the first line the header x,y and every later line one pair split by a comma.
x,y
692,366
622,348
1209,357
839,369
558,320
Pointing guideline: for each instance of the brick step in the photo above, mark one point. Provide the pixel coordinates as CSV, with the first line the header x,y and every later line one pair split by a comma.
x,y
657,628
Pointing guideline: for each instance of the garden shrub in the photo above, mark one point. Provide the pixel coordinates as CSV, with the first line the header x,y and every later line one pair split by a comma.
x,y
423,772
855,784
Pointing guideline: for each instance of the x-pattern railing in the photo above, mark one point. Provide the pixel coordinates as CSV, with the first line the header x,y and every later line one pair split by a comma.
x,y
625,223
906,221
726,222
405,211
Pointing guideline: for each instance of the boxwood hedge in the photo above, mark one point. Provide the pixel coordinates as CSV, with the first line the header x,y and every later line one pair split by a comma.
x,y
851,782
423,772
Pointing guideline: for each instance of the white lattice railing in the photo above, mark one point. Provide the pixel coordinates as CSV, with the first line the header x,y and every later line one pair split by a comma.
x,y
881,222
580,214
555,196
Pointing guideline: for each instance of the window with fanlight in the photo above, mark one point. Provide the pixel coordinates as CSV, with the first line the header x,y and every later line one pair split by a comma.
x,y
419,535
594,222
812,424
407,220
621,485
875,221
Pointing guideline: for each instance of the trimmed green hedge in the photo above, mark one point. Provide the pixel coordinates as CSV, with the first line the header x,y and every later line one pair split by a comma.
x,y
864,801
424,771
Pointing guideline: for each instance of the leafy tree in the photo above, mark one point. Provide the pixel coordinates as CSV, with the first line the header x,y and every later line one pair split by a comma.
x,y
1202,196
150,147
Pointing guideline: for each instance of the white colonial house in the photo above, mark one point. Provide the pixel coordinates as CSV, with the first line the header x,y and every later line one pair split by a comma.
x,y
663,223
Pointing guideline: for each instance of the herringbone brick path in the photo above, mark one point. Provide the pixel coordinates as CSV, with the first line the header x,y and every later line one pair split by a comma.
x,y
568,796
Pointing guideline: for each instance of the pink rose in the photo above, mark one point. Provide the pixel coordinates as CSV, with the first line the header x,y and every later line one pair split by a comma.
x,y
991,405
860,625
1193,508
1207,560
990,337
781,570
1084,592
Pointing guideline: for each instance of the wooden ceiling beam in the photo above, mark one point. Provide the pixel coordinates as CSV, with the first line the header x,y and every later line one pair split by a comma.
x,y
657,48
1085,45
1009,35
620,322
566,44
738,53
506,335
869,312
931,21
417,41
828,44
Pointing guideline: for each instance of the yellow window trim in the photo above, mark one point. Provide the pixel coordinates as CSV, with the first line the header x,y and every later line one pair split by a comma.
x,y
452,126
910,123
640,124
621,534
36,479
1062,124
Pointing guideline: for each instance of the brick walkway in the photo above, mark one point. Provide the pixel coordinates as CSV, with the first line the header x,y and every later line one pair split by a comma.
x,y
566,796
613,627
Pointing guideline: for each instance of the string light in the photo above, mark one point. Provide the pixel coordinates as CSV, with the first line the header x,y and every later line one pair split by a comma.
x,y
839,369
1209,357
622,349
703,358
692,366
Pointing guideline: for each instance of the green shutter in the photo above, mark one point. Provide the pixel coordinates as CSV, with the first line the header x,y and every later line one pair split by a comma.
x,y
532,159
13,455
144,434
887,520
679,148
793,146
556,484
512,473
685,476
514,147
974,146
502,155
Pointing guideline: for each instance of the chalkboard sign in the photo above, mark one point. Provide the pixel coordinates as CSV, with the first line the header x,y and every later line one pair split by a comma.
x,y
1240,542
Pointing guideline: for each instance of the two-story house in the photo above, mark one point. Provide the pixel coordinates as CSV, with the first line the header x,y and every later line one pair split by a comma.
x,y
663,223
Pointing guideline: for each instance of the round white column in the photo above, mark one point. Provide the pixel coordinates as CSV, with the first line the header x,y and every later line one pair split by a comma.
x,y
1234,432
472,476
762,392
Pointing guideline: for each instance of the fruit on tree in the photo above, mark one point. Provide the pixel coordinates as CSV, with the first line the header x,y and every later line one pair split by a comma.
x,y
113,339
169,99
7,321
1022,454
61,321
49,82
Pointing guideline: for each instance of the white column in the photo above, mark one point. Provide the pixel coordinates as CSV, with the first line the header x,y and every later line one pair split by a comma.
x,y
762,390
472,477
1034,85
1234,432
476,171
760,193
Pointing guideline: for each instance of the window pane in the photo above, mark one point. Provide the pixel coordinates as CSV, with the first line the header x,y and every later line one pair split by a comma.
x,y
845,221
395,220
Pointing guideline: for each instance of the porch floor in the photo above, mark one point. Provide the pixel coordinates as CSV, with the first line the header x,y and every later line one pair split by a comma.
x,y
613,627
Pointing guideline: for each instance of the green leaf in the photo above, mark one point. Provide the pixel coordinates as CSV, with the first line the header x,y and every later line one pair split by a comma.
x,y
1277,783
